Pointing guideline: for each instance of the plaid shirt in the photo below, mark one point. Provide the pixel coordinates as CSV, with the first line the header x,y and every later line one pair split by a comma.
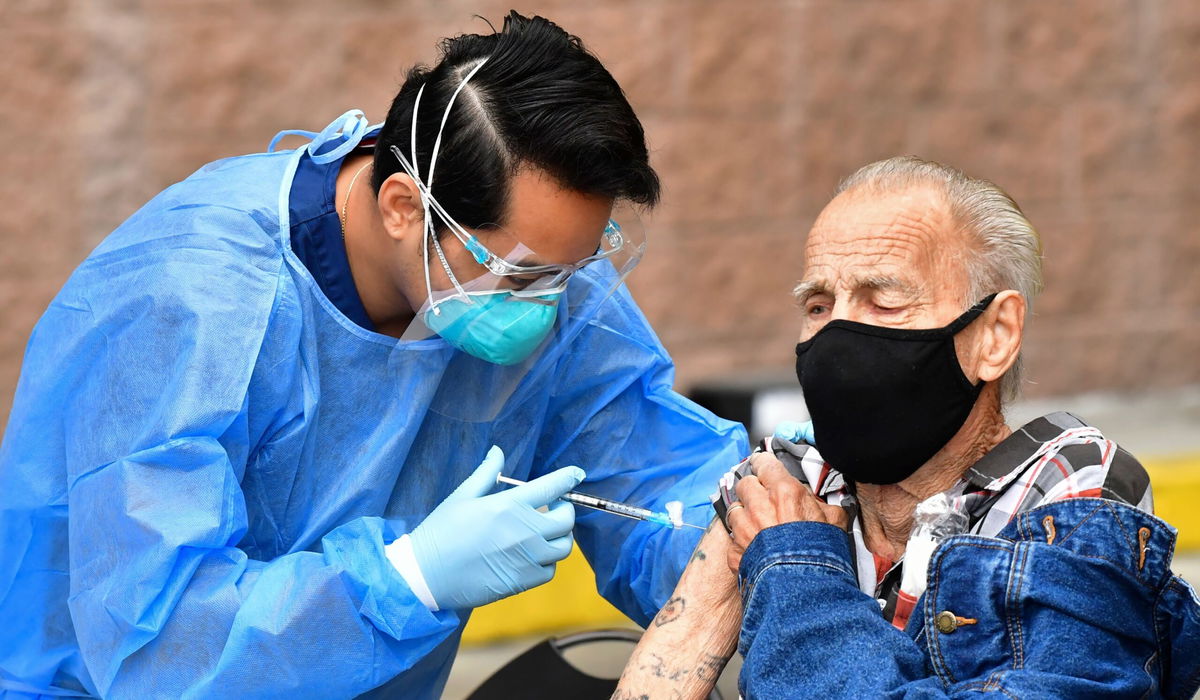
x,y
1051,458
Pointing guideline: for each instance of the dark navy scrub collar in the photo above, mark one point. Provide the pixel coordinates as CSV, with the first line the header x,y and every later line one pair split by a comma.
x,y
316,234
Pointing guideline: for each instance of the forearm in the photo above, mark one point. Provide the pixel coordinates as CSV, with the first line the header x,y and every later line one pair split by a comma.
x,y
209,607
688,643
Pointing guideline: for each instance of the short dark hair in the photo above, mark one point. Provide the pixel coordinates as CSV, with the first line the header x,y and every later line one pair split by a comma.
x,y
541,100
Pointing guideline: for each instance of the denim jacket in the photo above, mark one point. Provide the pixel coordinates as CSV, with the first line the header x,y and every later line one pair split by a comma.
x,y
1072,599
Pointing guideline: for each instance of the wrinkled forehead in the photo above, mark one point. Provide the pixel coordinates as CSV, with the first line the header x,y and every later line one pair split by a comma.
x,y
906,239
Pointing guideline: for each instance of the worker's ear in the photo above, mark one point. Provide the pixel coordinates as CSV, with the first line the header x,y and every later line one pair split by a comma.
x,y
400,207
1000,330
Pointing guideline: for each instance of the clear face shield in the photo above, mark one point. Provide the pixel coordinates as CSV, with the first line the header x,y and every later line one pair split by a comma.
x,y
504,305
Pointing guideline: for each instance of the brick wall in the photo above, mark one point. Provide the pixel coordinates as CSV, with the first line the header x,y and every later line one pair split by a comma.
x,y
1088,112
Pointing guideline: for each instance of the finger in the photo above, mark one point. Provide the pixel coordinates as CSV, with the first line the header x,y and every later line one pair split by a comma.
x,y
483,479
555,550
545,489
557,521
811,507
742,526
835,515
750,492
734,558
759,460
787,493
544,575
772,474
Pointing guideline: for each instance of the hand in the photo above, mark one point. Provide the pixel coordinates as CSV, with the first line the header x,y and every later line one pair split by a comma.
x,y
474,549
769,497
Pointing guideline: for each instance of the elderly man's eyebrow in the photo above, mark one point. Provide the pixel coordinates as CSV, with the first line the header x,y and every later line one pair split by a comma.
x,y
804,290
887,283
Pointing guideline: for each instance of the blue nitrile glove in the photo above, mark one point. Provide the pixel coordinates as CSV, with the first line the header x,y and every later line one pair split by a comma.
x,y
796,432
475,548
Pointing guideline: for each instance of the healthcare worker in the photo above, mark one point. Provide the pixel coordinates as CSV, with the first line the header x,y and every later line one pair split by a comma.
x,y
254,445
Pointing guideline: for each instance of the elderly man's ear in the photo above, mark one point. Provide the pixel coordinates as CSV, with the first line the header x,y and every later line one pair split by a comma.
x,y
998,336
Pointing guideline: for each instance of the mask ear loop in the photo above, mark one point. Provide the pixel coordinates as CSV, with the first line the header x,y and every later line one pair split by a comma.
x,y
426,191
428,234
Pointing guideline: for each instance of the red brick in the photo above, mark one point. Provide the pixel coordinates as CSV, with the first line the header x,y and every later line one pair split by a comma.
x,y
1068,45
1179,271
1025,144
1174,356
1176,133
42,65
720,168
642,45
736,62
1114,142
957,135
833,143
750,276
1179,46
241,72
886,50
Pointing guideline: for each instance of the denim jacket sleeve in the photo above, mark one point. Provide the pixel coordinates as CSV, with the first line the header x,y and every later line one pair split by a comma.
x,y
809,631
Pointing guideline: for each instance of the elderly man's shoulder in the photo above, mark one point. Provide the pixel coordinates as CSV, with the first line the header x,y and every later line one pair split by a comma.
x,y
1060,456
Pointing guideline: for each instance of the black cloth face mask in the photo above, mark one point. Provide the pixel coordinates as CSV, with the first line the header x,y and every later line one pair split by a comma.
x,y
885,400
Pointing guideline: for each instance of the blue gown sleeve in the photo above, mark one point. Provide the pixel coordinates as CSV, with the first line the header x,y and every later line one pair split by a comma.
x,y
163,601
616,415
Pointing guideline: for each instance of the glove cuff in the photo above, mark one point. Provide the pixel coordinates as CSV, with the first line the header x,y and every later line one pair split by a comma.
x,y
400,553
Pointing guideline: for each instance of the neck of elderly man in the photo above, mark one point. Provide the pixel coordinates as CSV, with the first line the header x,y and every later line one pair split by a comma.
x,y
887,509
900,258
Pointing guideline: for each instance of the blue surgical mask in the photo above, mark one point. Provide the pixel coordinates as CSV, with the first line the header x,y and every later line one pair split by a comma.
x,y
495,327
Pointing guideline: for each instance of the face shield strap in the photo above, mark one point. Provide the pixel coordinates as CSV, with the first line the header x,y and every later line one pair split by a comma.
x,y
425,188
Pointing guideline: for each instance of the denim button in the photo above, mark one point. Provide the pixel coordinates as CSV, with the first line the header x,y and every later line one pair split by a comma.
x,y
946,622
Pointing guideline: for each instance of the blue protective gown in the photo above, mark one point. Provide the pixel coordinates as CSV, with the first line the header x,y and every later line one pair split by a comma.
x,y
205,459
316,237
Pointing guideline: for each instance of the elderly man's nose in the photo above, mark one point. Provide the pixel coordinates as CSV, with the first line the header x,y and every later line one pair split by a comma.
x,y
840,310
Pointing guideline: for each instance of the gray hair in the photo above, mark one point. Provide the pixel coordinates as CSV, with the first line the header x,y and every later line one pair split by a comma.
x,y
1007,251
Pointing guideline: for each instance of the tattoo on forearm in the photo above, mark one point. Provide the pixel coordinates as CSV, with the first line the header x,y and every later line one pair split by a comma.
x,y
698,554
626,695
710,667
658,668
670,612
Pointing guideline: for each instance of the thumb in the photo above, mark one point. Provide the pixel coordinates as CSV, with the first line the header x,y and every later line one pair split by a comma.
x,y
483,479
546,489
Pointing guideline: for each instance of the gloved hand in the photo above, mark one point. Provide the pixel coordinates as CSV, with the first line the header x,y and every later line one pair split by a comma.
x,y
796,432
475,548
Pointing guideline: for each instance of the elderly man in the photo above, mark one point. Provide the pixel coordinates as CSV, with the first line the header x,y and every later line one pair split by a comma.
x,y
1023,562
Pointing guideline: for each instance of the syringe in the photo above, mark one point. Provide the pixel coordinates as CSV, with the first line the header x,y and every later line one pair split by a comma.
x,y
614,507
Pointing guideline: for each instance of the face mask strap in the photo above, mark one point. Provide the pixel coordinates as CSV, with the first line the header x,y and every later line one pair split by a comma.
x,y
915,334
425,188
970,314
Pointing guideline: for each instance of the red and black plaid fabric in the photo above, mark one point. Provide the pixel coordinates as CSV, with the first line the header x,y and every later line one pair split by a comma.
x,y
1051,458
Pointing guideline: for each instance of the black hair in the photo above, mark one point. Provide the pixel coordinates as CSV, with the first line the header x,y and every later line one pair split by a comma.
x,y
541,100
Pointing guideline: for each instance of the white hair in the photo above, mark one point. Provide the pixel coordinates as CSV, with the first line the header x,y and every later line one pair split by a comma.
x,y
1006,251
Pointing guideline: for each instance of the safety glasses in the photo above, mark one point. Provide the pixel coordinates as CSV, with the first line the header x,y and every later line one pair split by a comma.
x,y
622,244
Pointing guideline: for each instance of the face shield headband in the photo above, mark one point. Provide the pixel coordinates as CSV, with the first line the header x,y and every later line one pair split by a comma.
x,y
616,240
428,203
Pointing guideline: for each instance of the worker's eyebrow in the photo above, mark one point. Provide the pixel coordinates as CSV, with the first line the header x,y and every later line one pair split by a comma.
x,y
531,260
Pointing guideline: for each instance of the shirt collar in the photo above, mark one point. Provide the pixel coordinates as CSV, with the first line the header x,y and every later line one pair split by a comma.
x,y
1007,460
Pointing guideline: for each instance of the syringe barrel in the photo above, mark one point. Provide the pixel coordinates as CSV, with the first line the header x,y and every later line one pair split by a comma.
x,y
611,506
